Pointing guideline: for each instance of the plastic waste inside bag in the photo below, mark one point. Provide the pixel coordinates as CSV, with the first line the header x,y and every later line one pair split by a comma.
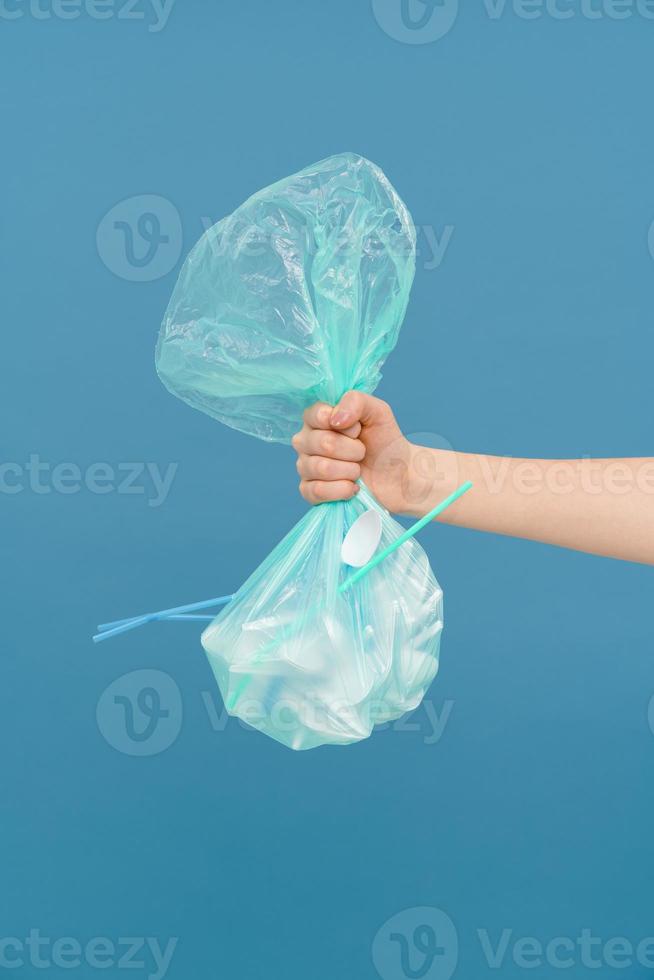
x,y
298,296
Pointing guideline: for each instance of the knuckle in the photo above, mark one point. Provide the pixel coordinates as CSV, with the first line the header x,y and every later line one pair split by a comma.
x,y
318,490
324,468
328,443
306,491
384,410
354,400
359,450
316,415
324,414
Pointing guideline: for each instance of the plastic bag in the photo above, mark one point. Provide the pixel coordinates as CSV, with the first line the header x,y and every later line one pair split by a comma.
x,y
297,297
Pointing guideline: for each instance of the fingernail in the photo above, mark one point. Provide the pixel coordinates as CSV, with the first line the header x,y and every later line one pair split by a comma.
x,y
339,418
356,488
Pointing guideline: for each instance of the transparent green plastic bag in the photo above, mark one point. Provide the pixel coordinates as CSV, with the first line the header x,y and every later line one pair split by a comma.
x,y
298,297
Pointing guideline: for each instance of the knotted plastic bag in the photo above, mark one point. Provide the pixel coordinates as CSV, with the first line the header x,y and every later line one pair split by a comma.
x,y
298,297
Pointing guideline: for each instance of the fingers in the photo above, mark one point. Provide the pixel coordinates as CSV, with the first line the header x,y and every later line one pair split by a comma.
x,y
325,442
355,406
321,491
322,468
328,461
318,417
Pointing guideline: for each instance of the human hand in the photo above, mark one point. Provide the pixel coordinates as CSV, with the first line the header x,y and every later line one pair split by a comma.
x,y
610,512
358,438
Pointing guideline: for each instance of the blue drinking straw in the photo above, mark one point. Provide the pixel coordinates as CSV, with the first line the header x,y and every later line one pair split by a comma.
x,y
107,630
179,613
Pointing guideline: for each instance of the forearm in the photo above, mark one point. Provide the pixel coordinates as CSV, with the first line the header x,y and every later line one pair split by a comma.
x,y
605,507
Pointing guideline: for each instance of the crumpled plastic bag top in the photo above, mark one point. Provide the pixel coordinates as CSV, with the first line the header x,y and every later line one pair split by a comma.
x,y
299,296
296,297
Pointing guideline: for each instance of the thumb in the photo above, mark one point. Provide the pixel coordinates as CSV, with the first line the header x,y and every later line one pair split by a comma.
x,y
355,406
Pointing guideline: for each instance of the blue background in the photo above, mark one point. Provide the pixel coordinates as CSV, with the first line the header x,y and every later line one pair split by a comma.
x,y
533,139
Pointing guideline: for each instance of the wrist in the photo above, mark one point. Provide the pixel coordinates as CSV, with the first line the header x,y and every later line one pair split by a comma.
x,y
430,476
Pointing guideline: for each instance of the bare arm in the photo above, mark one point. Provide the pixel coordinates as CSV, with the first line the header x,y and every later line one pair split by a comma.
x,y
602,506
